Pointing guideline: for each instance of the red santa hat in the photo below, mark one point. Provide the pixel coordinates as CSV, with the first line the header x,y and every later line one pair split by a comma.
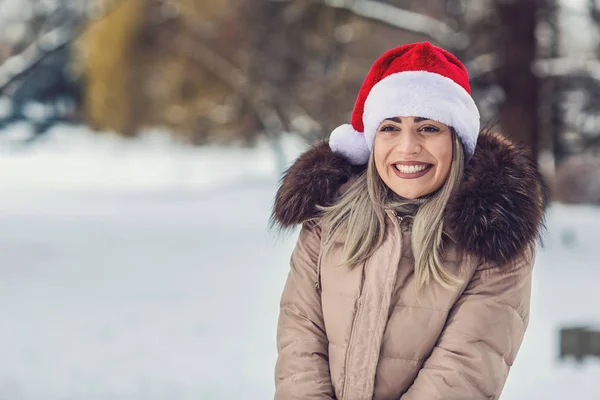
x,y
413,80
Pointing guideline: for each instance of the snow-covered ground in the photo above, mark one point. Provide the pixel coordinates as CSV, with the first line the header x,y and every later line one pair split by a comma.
x,y
145,270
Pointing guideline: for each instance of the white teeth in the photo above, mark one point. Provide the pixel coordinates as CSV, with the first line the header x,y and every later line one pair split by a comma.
x,y
411,169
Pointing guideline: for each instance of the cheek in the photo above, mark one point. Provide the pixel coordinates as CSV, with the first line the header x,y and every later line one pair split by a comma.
x,y
441,150
446,161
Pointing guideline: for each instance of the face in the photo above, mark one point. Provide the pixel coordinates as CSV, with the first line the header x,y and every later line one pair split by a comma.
x,y
413,155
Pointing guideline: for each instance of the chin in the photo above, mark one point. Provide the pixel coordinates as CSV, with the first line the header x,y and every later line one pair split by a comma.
x,y
409,195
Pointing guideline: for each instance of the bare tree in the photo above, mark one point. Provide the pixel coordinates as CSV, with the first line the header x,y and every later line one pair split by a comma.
x,y
517,48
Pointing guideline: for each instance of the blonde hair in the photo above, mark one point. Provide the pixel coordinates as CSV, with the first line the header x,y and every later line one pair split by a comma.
x,y
358,220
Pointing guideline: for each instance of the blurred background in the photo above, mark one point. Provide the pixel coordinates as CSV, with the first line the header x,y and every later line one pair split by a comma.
x,y
140,146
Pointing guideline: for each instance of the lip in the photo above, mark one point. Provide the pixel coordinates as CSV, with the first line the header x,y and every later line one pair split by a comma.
x,y
410,163
411,176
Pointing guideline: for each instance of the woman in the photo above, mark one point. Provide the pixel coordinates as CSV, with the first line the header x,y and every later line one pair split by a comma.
x,y
411,277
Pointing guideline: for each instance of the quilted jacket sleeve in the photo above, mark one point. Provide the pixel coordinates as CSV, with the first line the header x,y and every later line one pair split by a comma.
x,y
302,368
482,336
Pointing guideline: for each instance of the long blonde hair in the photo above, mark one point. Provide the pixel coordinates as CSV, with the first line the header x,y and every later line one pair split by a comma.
x,y
359,221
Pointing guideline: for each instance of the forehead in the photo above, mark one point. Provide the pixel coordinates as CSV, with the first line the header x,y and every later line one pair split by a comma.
x,y
415,119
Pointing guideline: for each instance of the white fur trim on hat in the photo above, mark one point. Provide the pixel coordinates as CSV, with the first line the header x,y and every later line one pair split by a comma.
x,y
422,94
347,141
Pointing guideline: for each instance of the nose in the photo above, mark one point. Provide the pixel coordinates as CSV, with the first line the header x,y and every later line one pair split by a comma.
x,y
408,143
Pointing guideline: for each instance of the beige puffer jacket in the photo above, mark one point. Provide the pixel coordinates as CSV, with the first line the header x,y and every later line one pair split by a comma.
x,y
363,334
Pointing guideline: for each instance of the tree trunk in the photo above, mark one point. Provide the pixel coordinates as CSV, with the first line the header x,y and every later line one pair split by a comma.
x,y
517,49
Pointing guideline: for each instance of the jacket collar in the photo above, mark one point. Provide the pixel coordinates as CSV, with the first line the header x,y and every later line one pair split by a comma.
x,y
495,214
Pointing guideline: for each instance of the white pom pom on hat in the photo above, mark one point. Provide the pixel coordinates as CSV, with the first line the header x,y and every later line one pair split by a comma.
x,y
419,80
352,144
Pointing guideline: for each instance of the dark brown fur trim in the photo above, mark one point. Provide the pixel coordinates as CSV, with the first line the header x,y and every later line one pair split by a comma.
x,y
499,208
312,180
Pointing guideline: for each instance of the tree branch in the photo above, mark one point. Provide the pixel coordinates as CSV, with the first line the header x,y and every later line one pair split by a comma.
x,y
482,64
563,66
18,65
48,43
405,20
232,77
259,97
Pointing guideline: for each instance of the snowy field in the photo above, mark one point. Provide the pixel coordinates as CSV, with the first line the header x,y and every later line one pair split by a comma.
x,y
144,270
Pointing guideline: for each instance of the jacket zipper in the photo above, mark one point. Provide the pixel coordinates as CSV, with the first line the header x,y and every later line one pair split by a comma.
x,y
359,309
359,305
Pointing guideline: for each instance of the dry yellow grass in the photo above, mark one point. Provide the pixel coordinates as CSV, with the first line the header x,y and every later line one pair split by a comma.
x,y
105,52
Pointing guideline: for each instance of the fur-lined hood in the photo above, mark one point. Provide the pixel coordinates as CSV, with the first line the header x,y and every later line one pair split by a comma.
x,y
496,213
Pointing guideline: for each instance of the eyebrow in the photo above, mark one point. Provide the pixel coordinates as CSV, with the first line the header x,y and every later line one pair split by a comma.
x,y
399,121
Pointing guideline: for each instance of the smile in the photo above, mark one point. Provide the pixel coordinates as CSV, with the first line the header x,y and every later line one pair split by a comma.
x,y
411,171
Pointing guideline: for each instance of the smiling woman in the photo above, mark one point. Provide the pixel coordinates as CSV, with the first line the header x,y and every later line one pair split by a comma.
x,y
407,149
411,277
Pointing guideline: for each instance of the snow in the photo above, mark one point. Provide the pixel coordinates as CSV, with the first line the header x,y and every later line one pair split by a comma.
x,y
565,293
574,13
69,158
144,269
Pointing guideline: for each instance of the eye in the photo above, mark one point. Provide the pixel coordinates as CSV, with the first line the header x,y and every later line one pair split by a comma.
x,y
388,128
429,129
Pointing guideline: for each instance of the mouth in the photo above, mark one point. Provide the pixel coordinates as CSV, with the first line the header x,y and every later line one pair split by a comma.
x,y
412,170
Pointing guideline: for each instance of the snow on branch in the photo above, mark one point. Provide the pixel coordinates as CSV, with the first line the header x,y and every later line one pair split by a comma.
x,y
482,64
403,19
564,66
18,65
553,67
